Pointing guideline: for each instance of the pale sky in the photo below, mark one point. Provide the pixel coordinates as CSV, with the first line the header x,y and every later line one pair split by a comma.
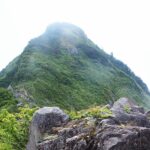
x,y
118,26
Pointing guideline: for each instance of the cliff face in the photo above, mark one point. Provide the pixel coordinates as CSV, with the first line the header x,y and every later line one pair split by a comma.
x,y
128,128
62,67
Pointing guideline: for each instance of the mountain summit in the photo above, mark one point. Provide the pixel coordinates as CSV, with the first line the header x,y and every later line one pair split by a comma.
x,y
63,67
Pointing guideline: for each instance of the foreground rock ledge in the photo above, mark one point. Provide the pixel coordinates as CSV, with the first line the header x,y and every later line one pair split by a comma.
x,y
127,129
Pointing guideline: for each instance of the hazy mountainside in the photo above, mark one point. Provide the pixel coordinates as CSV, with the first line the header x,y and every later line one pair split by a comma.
x,y
63,67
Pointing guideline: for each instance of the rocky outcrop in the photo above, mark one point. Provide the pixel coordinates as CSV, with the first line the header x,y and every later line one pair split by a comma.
x,y
43,121
127,112
124,105
127,129
122,138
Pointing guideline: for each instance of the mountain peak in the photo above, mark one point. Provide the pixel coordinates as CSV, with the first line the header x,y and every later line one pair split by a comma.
x,y
58,36
65,28
65,33
63,67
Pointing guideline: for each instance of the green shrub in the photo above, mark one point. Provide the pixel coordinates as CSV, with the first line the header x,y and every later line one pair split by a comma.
x,y
7,100
127,109
14,128
96,112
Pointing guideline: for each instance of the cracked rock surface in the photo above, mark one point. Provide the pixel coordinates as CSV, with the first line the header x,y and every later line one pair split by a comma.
x,y
127,129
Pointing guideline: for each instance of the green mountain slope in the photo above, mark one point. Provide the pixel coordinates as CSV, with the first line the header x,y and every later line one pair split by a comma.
x,y
63,67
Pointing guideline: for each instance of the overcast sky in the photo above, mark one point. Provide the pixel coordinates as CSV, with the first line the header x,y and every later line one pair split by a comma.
x,y
118,26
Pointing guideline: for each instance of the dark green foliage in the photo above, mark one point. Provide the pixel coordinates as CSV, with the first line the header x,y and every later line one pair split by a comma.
x,y
7,100
63,67
131,74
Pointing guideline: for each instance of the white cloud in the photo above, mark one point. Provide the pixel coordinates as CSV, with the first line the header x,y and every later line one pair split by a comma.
x,y
121,26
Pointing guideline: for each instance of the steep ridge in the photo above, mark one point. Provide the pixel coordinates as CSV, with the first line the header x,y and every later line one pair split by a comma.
x,y
63,67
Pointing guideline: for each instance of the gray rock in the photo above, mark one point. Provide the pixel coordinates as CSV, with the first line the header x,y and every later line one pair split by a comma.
x,y
148,114
127,106
127,112
43,121
122,138
109,137
137,109
73,136
127,129
108,121
132,119
73,50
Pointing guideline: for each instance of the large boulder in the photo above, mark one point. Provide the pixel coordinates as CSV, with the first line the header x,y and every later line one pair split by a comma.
x,y
126,112
122,138
43,121
125,105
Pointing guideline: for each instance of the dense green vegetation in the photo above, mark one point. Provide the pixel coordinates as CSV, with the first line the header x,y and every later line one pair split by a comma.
x,y
93,111
7,100
63,67
14,128
14,122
